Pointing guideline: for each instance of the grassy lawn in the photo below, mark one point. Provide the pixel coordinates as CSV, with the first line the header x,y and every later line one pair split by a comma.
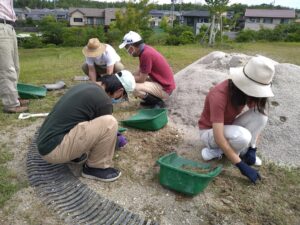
x,y
44,66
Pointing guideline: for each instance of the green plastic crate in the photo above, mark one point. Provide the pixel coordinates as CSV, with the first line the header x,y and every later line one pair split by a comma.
x,y
27,91
173,174
147,119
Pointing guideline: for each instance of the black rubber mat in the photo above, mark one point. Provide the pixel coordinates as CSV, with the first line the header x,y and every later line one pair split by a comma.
x,y
72,200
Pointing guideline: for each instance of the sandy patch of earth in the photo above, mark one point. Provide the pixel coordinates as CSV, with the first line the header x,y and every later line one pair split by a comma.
x,y
229,198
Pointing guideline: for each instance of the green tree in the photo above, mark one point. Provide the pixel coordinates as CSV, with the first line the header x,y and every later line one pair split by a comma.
x,y
164,23
52,30
216,8
135,17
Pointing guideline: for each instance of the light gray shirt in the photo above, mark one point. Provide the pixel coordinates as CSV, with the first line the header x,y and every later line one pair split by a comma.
x,y
7,10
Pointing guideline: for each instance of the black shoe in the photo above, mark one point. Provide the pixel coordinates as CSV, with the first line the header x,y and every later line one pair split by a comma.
x,y
151,101
159,105
107,175
80,160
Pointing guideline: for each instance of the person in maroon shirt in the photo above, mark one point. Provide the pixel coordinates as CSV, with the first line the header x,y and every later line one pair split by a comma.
x,y
224,129
154,77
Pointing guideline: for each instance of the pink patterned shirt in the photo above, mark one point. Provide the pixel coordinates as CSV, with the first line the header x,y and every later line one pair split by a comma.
x,y
7,10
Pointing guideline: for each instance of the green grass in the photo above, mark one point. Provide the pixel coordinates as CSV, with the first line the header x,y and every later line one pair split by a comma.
x,y
42,66
8,182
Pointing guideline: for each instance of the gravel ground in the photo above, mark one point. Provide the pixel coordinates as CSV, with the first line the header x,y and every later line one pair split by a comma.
x,y
138,189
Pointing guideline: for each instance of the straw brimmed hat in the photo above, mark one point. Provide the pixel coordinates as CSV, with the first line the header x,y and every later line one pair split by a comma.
x,y
255,78
94,48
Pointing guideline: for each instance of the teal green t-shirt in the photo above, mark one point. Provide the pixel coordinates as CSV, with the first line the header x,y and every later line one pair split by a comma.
x,y
83,102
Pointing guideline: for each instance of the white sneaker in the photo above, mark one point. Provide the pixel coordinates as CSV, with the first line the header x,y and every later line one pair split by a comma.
x,y
258,161
208,153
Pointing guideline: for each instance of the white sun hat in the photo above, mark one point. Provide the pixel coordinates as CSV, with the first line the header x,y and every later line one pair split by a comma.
x,y
255,78
130,38
127,80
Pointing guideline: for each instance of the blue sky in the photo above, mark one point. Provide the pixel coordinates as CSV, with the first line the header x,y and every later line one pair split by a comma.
x,y
287,3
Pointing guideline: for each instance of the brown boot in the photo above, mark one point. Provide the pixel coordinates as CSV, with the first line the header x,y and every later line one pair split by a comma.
x,y
24,102
17,109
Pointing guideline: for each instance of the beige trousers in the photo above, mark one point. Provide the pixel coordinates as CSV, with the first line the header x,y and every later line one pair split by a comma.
x,y
102,70
9,66
151,87
97,138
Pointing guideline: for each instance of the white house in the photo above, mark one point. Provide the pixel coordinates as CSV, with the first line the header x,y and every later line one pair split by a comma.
x,y
267,18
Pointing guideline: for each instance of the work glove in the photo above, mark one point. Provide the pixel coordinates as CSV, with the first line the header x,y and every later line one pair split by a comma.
x,y
248,171
250,156
121,140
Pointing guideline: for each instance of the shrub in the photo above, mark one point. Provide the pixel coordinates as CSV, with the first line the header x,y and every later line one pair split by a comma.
x,y
187,37
177,30
74,36
158,38
173,40
32,42
114,35
268,35
246,36
294,37
98,32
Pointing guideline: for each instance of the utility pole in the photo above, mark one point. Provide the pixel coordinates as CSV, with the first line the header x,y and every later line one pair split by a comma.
x,y
172,10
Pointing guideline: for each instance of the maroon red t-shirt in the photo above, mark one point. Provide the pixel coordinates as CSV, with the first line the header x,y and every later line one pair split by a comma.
x,y
218,108
157,67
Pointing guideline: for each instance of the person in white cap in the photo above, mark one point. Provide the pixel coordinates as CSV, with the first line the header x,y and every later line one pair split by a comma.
x,y
154,77
9,61
224,129
81,126
100,59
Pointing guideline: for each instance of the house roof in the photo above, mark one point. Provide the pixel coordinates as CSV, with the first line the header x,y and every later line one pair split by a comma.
x,y
91,12
163,13
196,13
274,13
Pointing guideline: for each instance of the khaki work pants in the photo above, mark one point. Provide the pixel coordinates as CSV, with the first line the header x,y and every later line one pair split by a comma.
x,y
102,70
150,87
9,66
97,138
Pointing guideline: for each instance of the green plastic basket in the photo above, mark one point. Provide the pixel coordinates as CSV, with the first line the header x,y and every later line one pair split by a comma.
x,y
147,119
174,175
27,91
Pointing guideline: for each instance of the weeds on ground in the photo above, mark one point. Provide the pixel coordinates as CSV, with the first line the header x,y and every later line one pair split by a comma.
x,y
8,184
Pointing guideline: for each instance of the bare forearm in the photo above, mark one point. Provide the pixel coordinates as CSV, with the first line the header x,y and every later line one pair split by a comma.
x,y
92,76
140,77
110,70
229,152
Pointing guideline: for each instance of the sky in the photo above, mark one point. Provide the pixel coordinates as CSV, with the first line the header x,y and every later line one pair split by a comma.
x,y
286,3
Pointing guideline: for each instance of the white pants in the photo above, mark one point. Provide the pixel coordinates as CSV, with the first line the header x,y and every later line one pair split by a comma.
x,y
243,133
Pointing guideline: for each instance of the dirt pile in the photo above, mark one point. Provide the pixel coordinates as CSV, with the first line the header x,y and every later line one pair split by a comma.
x,y
280,140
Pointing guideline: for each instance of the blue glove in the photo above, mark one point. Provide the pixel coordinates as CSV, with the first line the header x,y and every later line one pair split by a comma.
x,y
248,171
121,140
250,156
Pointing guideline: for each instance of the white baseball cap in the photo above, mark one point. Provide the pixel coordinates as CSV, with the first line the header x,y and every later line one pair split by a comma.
x,y
130,38
127,80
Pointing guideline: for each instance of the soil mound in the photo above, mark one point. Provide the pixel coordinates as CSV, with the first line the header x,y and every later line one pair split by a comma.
x,y
279,141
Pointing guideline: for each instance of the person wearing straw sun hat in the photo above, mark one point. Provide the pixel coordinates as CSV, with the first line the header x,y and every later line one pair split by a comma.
x,y
224,129
100,59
